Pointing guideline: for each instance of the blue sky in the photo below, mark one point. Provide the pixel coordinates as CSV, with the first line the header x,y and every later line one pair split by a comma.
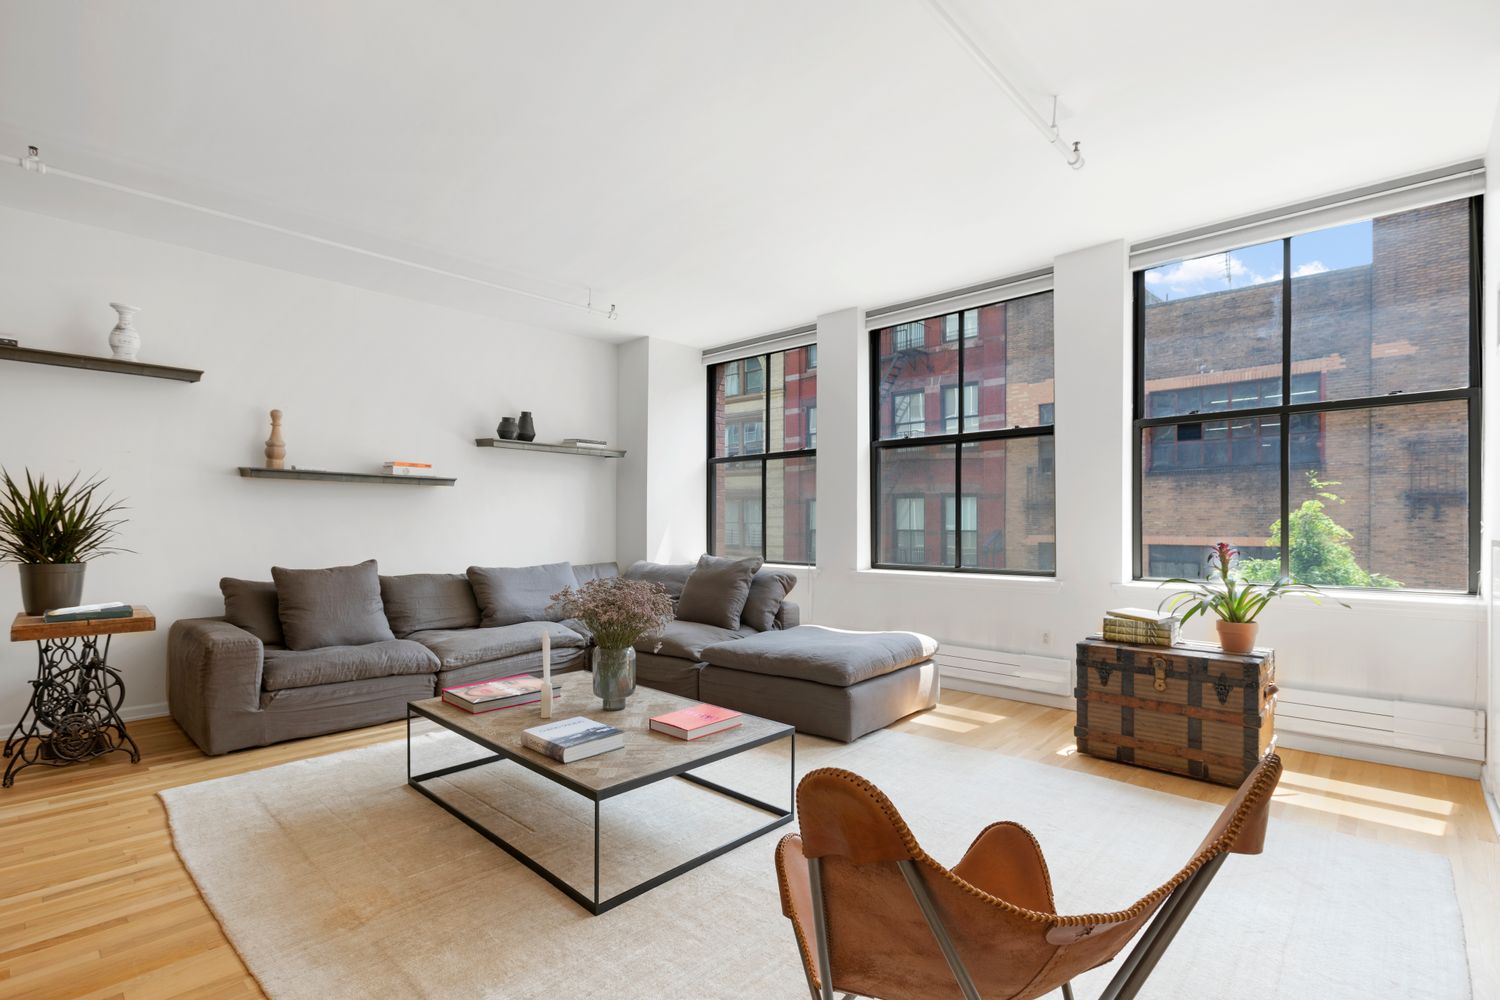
x,y
1312,253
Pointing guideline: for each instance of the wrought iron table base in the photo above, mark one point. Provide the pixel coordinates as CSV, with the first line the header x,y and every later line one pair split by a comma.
x,y
74,712
594,904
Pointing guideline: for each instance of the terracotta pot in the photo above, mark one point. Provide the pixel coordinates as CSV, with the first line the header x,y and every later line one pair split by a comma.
x,y
1237,637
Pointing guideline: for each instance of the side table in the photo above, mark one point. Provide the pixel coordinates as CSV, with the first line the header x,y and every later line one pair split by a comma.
x,y
74,712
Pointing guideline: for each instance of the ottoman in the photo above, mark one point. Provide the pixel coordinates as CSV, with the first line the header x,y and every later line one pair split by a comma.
x,y
825,681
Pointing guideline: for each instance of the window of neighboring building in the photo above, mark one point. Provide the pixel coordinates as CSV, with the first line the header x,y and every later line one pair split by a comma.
x,y
906,409
762,463
1314,401
988,374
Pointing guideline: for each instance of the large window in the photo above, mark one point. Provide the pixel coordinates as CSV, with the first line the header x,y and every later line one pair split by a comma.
x,y
1314,401
962,452
762,463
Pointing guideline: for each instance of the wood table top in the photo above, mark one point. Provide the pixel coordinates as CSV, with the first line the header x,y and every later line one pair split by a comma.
x,y
646,754
31,627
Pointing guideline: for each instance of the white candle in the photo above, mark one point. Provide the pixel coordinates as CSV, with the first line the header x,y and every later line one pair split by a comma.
x,y
546,675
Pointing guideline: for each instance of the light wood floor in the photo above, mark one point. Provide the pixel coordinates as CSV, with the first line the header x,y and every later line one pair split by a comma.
x,y
94,902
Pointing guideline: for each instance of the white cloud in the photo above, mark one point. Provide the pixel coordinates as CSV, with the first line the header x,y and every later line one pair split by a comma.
x,y
1205,274
1311,267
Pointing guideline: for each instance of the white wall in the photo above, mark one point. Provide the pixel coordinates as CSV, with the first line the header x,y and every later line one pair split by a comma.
x,y
362,377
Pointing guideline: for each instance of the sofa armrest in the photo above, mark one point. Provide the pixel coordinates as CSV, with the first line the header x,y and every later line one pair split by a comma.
x,y
213,682
789,615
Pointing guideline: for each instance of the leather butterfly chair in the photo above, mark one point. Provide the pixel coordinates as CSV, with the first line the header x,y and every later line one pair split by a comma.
x,y
876,916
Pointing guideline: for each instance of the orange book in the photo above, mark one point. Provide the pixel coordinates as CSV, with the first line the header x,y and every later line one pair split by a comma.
x,y
696,722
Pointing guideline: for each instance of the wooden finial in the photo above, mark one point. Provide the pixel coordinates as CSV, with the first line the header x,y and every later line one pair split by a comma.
x,y
275,444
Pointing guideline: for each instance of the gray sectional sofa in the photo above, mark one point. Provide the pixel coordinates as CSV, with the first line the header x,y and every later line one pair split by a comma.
x,y
321,651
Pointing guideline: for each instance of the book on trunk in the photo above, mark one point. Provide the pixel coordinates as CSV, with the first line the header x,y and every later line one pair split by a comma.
x,y
89,612
696,722
1136,625
499,692
573,739
1145,615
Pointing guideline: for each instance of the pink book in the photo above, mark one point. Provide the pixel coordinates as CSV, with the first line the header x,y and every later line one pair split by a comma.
x,y
696,722
500,692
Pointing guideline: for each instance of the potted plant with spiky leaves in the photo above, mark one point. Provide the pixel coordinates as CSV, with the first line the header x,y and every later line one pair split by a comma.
x,y
51,529
1236,602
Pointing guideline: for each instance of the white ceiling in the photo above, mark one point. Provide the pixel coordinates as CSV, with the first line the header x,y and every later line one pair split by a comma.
x,y
720,169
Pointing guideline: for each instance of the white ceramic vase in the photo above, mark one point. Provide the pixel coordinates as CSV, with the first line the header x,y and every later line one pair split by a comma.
x,y
124,341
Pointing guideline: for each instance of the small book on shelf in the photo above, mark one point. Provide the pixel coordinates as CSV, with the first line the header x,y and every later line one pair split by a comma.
x,y
89,612
499,692
573,739
696,722
407,468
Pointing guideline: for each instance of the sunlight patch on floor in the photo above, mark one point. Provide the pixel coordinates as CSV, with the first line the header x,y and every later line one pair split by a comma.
x,y
1348,790
938,722
971,714
1337,805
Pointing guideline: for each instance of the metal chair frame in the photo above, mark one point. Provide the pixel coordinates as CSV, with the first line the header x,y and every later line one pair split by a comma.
x,y
1125,985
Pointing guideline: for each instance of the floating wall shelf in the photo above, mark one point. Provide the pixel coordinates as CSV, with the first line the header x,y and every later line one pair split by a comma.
x,y
323,475
556,449
89,362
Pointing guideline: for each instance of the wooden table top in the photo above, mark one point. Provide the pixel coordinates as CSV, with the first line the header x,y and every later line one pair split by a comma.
x,y
645,755
31,627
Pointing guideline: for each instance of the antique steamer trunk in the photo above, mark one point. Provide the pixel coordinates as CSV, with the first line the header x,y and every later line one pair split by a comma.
x,y
1191,709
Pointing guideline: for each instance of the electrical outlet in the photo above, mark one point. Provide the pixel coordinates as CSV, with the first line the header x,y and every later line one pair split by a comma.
x,y
1046,638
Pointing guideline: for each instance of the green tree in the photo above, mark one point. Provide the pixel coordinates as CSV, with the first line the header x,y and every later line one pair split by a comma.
x,y
1319,550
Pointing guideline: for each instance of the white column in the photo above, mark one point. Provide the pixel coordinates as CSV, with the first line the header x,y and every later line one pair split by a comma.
x,y
1092,349
843,442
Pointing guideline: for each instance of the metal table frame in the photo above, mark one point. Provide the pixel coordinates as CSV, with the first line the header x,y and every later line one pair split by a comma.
x,y
593,903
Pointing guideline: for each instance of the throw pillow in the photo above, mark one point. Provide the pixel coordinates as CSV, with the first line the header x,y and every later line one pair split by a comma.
x,y
251,605
418,601
768,589
716,590
509,595
672,576
338,606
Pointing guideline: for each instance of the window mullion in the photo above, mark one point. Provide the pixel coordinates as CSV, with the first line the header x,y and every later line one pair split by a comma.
x,y
1286,401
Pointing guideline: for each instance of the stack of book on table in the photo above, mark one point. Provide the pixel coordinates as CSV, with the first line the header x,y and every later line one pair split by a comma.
x,y
696,722
89,612
408,468
1142,626
500,692
572,739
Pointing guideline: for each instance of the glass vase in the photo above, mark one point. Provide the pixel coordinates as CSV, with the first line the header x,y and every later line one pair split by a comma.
x,y
614,676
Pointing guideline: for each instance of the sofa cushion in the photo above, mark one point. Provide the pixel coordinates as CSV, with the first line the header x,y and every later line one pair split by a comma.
x,y
511,594
685,640
716,590
461,647
291,668
671,576
823,655
251,605
417,601
337,606
595,571
768,589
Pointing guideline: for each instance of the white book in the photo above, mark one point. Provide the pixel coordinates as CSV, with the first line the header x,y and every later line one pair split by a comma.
x,y
1144,615
567,740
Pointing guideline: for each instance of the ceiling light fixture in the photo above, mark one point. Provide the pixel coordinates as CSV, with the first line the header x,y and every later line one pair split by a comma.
x,y
32,163
1069,150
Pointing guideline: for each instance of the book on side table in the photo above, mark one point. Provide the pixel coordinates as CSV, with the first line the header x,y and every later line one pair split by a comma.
x,y
696,722
500,692
89,612
573,739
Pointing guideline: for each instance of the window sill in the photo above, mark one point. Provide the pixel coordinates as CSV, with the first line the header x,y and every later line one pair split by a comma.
x,y
1463,607
1023,579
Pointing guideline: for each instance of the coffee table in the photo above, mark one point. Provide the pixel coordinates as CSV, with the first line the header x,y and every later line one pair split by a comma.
x,y
647,758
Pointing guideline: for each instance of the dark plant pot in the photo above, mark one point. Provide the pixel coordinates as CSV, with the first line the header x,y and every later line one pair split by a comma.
x,y
526,429
507,429
48,586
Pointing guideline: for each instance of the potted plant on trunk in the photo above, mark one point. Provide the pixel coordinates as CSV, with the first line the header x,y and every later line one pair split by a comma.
x,y
1236,603
618,613
52,530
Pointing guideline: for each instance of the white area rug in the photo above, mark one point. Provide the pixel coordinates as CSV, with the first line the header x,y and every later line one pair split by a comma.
x,y
334,879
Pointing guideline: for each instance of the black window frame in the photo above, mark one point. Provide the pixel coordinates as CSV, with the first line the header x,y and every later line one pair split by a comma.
x,y
1286,410
764,457
957,440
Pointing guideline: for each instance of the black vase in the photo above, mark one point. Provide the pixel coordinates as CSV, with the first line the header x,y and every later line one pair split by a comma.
x,y
507,429
527,429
